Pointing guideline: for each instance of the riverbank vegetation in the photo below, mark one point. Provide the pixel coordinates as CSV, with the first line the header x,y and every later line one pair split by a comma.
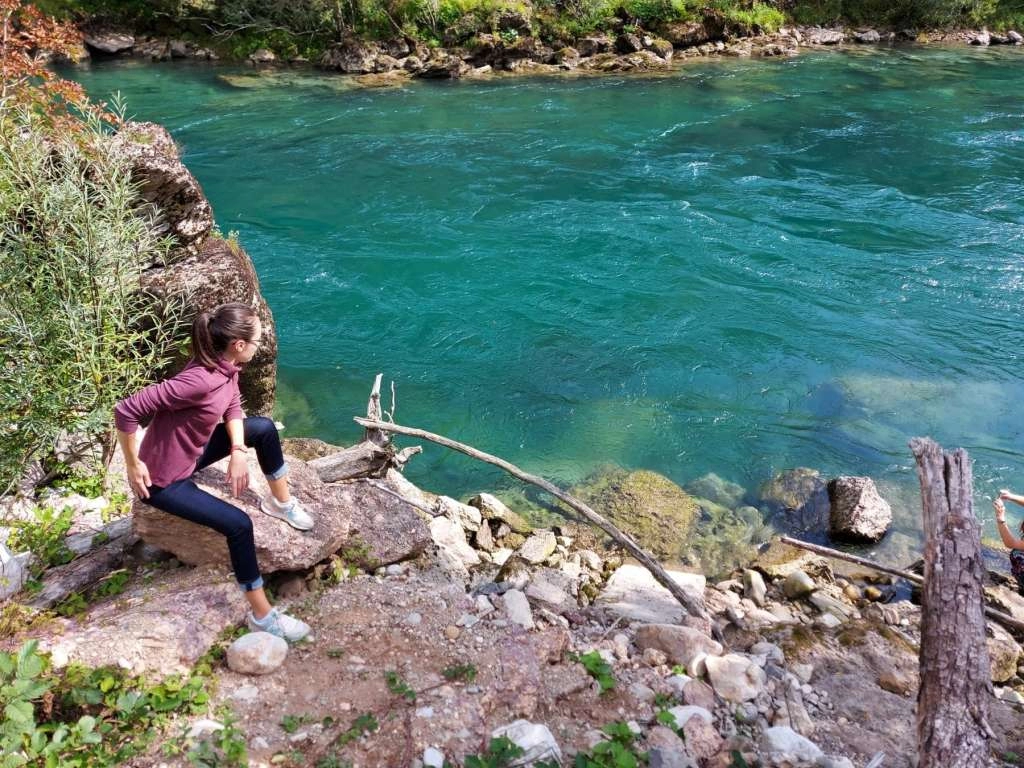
x,y
308,27
75,332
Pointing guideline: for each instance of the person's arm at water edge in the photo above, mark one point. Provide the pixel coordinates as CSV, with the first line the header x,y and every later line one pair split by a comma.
x,y
1009,540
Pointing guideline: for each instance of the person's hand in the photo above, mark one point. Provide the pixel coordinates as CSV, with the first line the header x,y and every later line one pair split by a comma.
x,y
1004,494
1000,510
138,479
238,473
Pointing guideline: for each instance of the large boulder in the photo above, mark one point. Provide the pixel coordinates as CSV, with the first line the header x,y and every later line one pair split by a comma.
x,y
798,500
354,57
382,529
173,198
109,41
680,644
858,512
159,627
655,511
201,271
685,34
279,547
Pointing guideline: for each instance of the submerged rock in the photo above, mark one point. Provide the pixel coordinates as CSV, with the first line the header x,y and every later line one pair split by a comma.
x,y
655,511
798,499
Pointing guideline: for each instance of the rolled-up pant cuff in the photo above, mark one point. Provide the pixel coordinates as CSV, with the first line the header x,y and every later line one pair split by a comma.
x,y
249,586
279,473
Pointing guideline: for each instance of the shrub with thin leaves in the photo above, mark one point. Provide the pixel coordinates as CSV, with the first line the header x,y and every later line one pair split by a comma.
x,y
76,334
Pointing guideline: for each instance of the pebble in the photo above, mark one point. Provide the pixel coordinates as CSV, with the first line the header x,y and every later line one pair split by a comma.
x,y
433,758
426,712
452,632
394,570
259,743
414,619
246,693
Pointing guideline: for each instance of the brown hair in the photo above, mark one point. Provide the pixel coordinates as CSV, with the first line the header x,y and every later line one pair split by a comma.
x,y
213,330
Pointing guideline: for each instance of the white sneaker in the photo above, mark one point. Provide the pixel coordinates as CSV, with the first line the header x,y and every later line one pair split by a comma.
x,y
291,512
280,624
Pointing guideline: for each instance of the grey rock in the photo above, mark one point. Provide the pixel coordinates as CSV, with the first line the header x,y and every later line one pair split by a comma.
x,y
858,512
867,36
714,488
110,41
633,593
538,547
492,508
797,500
1015,37
981,38
465,515
259,56
735,677
517,608
797,585
781,743
754,587
534,739
681,644
257,653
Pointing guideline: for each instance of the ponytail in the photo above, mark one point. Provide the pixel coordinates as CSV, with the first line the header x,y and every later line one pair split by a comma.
x,y
213,330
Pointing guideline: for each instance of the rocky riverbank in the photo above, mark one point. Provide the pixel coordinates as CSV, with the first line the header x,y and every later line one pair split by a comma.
x,y
450,624
508,44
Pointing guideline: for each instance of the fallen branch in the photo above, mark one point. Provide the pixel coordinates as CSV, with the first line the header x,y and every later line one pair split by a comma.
x,y
692,606
993,613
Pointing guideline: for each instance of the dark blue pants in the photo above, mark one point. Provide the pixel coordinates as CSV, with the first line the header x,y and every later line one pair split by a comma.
x,y
183,498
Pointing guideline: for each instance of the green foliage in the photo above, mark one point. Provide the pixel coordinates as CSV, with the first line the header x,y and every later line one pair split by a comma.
x,y
598,668
291,723
678,669
459,672
760,17
398,686
44,537
617,751
93,717
651,13
76,334
906,13
738,760
221,748
501,753
366,723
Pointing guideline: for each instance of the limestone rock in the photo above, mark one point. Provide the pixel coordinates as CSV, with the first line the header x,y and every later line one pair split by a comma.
x,y
257,653
517,608
655,511
780,560
754,587
351,56
466,516
702,739
593,45
798,500
867,36
682,714
686,34
714,488
680,643
279,547
534,739
633,593
734,677
1015,37
146,630
538,547
551,588
492,508
308,448
780,743
798,584
982,38
109,41
449,536
857,510
820,36
259,56
382,529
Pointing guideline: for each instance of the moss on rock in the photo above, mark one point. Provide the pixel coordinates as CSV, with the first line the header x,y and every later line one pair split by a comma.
x,y
655,511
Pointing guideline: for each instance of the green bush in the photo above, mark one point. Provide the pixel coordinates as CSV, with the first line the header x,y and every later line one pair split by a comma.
x,y
759,17
76,334
653,12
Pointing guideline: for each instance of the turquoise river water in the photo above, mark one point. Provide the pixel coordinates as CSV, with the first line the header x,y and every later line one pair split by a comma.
x,y
740,267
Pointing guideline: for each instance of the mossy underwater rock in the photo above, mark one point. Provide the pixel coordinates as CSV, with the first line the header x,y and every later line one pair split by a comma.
x,y
798,500
649,507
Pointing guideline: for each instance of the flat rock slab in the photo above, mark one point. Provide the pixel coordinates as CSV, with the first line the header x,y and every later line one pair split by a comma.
x,y
158,628
279,547
387,529
633,593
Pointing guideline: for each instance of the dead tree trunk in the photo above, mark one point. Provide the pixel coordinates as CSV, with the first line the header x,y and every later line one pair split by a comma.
x,y
952,702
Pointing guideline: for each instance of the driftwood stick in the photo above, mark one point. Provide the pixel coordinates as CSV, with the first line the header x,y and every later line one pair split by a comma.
x,y
400,497
953,699
373,413
836,554
993,613
692,606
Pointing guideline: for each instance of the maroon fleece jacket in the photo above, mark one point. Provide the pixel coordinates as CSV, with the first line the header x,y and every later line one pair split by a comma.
x,y
185,409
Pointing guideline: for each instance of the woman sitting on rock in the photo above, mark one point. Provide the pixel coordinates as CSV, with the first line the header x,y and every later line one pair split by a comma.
x,y
1015,545
197,419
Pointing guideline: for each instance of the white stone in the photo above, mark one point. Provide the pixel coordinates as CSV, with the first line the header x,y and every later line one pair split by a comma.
x,y
783,743
483,605
203,727
433,758
642,692
591,559
633,593
413,619
684,713
466,516
246,693
538,547
754,587
450,537
517,608
734,677
534,739
14,569
257,653
500,556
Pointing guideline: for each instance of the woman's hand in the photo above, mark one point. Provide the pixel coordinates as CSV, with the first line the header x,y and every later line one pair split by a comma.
x,y
238,473
138,479
1004,494
1000,509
